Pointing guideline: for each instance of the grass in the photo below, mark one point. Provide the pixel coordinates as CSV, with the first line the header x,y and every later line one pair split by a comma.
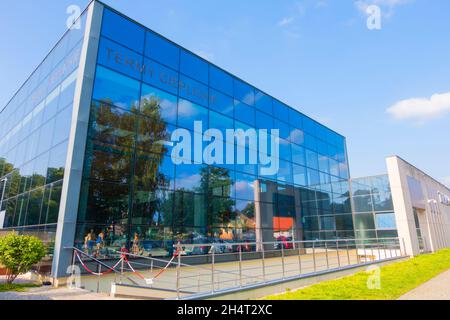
x,y
396,280
21,287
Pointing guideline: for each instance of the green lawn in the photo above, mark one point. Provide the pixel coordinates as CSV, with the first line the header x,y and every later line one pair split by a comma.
x,y
17,287
396,280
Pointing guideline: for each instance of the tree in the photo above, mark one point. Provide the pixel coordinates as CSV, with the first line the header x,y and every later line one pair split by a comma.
x,y
19,253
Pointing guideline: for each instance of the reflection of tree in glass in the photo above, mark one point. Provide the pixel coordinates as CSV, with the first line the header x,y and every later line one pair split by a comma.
x,y
126,142
216,184
246,217
5,167
31,199
149,179
209,207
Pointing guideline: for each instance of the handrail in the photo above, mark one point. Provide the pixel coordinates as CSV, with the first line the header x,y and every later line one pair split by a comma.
x,y
179,264
278,242
91,257
100,263
210,276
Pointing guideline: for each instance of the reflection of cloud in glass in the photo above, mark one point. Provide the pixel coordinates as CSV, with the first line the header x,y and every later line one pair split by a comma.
x,y
244,186
168,108
187,109
297,136
188,182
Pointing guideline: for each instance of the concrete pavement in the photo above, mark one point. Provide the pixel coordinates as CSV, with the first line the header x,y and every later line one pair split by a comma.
x,y
437,288
46,293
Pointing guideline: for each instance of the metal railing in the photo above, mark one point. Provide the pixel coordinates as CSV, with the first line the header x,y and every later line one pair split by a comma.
x,y
199,270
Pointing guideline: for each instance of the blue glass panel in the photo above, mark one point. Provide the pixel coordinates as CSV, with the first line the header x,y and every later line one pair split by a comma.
x,y
247,168
162,50
310,126
244,113
193,90
285,150
300,175
322,147
120,59
194,67
63,125
162,77
312,160
221,103
167,168
241,125
244,92
341,155
284,129
220,122
189,177
334,168
165,102
298,155
67,92
245,186
340,142
264,121
324,165
310,142
46,134
343,167
313,177
280,111
332,152
189,112
114,88
285,172
51,105
123,31
321,132
295,119
297,136
220,80
59,52
263,102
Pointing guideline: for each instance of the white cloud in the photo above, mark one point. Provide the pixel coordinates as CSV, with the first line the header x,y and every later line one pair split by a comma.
x,y
387,6
286,22
446,181
321,4
421,109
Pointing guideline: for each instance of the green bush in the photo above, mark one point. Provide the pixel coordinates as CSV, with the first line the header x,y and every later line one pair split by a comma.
x,y
19,253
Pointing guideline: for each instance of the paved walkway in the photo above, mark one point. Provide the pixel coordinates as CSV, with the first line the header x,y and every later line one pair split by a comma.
x,y
46,293
437,288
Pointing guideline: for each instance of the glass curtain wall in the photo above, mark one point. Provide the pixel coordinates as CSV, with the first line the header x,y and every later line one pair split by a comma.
x,y
34,133
373,208
134,196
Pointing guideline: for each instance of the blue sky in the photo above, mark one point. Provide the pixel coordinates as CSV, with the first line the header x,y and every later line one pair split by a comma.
x,y
387,91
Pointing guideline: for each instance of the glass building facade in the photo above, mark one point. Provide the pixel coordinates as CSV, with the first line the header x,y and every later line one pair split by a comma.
x,y
132,191
146,87
34,133
374,216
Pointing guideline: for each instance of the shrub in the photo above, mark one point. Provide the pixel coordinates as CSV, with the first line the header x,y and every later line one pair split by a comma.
x,y
19,253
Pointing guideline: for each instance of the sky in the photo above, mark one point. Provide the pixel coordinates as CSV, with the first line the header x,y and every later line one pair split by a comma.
x,y
387,90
